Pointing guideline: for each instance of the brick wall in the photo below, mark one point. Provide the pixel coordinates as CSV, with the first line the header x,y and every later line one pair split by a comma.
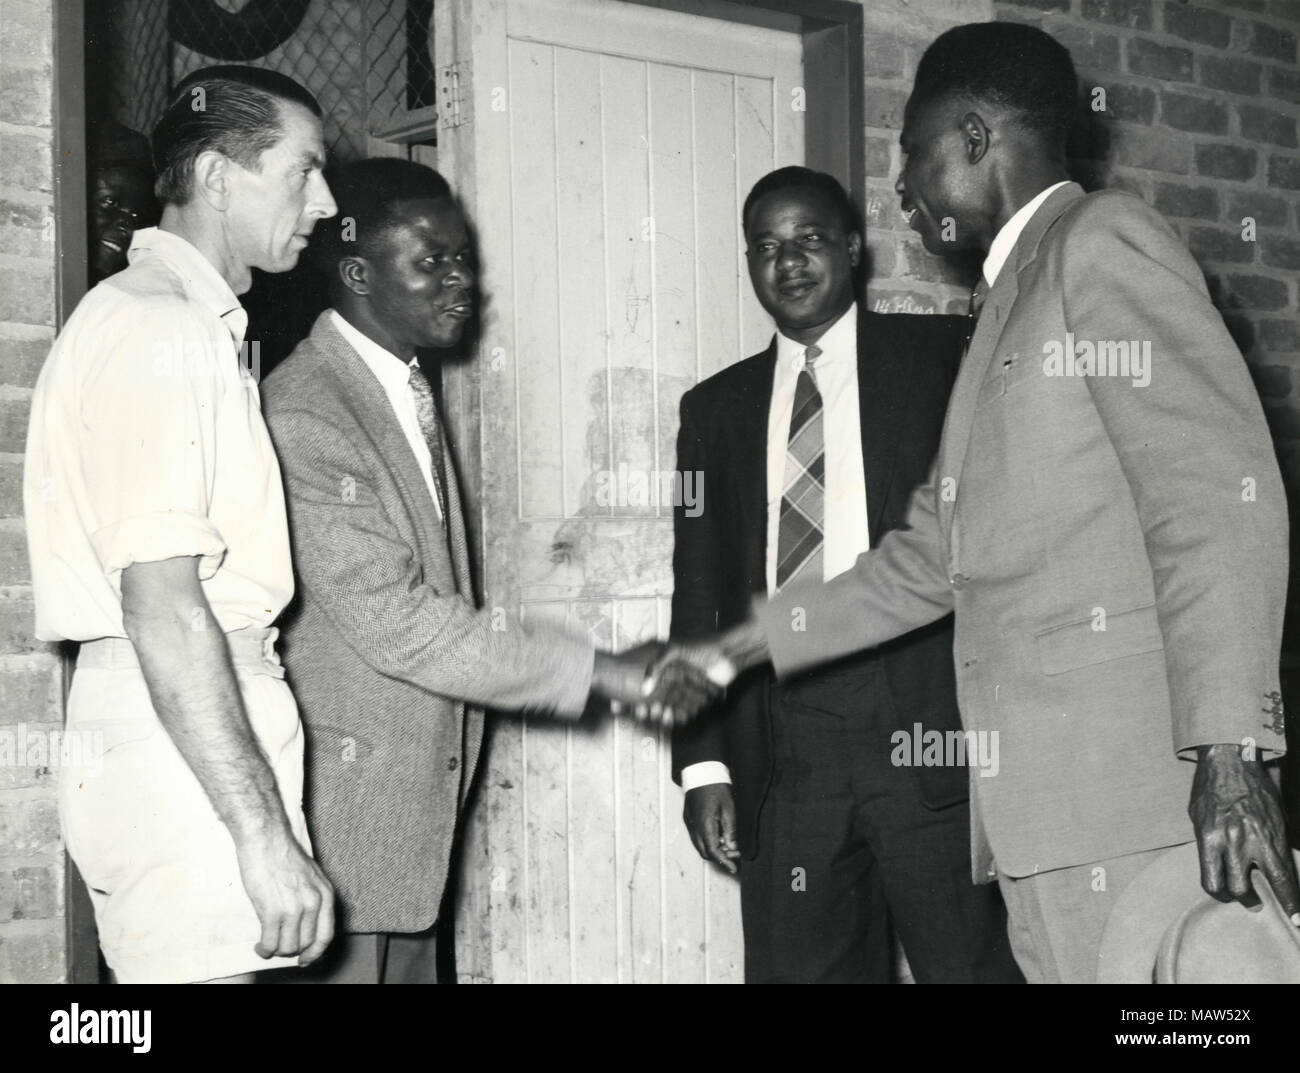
x,y
31,852
1203,106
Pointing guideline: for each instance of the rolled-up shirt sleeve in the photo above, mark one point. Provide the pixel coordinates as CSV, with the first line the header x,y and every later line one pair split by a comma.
x,y
150,407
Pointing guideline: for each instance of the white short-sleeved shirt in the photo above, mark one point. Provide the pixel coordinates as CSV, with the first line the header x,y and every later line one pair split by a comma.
x,y
147,443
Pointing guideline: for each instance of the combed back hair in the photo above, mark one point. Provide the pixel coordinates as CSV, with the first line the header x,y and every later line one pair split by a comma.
x,y
797,178
1010,66
237,114
368,193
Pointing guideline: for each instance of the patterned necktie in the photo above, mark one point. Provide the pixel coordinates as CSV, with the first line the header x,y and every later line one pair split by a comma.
x,y
426,413
977,298
803,507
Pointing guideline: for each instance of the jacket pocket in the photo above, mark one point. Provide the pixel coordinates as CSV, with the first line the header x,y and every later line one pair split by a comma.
x,y
1007,371
1084,643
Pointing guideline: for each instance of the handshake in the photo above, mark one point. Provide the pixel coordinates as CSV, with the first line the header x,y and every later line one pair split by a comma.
x,y
658,682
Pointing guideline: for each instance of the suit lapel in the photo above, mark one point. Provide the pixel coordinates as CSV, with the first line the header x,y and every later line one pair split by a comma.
x,y
984,344
749,435
376,417
882,401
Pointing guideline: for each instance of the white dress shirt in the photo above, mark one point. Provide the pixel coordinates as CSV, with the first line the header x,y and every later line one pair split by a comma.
x,y
147,443
394,376
845,532
1005,240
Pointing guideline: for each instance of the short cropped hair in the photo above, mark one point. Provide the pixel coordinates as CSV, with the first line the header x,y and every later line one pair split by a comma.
x,y
797,178
237,114
1011,66
367,193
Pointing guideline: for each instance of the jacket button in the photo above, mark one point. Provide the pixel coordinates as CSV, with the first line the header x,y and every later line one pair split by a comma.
x,y
453,764
958,581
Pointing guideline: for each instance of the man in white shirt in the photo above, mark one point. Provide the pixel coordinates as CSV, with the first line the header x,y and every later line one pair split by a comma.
x,y
810,450
157,533
389,654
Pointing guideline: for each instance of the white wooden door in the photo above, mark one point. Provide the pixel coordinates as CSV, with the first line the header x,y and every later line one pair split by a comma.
x,y
604,154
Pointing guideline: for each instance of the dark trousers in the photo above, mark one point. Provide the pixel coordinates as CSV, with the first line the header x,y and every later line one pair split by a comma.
x,y
846,844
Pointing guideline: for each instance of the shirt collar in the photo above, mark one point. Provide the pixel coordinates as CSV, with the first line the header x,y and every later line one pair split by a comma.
x,y
203,283
839,339
393,373
1005,240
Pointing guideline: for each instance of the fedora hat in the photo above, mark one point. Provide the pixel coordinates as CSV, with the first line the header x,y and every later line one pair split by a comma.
x,y
1165,929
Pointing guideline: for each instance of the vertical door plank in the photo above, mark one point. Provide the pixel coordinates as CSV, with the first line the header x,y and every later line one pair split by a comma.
x,y
537,361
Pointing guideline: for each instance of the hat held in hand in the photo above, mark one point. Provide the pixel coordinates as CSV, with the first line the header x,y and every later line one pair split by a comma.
x,y
1165,929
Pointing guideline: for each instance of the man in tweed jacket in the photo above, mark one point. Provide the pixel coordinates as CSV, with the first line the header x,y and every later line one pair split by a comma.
x,y
387,654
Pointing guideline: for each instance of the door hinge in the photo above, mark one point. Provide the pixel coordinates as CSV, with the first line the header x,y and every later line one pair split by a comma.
x,y
453,94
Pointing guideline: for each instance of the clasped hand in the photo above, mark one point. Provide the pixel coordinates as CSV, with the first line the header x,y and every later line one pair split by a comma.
x,y
662,683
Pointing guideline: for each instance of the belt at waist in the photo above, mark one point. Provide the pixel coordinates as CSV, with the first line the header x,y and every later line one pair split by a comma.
x,y
251,650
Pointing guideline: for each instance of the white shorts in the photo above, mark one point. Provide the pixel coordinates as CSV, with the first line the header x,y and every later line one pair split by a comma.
x,y
159,864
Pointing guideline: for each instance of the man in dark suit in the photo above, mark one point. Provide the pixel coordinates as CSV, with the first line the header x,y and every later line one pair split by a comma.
x,y
810,450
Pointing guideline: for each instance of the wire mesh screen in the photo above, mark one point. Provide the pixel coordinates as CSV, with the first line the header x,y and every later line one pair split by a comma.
x,y
368,62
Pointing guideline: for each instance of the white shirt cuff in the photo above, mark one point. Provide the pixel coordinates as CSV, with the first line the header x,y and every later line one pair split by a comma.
x,y
705,773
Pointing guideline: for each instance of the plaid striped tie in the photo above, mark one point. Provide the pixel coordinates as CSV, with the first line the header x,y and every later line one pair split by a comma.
x,y
803,498
426,413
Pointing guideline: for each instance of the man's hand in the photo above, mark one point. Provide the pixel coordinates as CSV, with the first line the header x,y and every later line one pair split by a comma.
x,y
293,899
1237,812
710,816
675,695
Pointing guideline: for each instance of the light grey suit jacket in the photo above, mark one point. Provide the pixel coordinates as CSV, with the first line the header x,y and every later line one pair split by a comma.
x,y
384,646
1116,555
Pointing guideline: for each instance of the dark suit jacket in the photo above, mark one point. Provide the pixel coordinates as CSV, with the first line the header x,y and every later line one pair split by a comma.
x,y
906,367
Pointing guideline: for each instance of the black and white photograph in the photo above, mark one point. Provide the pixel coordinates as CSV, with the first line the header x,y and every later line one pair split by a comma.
x,y
650,492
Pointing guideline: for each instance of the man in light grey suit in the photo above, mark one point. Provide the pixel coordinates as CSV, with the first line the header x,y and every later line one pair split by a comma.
x,y
387,653
1105,518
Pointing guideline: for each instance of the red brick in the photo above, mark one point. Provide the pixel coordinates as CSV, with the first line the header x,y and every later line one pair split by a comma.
x,y
1134,14
1271,381
17,627
1146,57
27,294
883,56
1272,43
1234,75
1197,114
25,95
32,695
21,360
1285,9
1255,292
8,895
1216,245
1089,48
1265,209
11,488
1037,5
885,107
878,157
15,568
24,231
1280,335
882,260
28,33
1140,147
28,826
38,893
1284,172
1198,24
13,425
32,957
1226,161
1267,125
1284,83
1127,101
1194,202
25,162
1278,251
